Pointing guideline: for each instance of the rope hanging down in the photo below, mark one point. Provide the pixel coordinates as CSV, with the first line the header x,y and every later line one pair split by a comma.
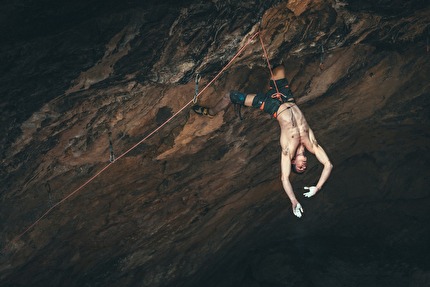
x,y
137,144
278,94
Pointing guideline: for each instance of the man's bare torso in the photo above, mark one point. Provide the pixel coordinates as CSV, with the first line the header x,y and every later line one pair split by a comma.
x,y
294,128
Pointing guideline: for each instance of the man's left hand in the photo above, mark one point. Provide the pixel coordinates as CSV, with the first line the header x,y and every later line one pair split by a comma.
x,y
298,210
311,192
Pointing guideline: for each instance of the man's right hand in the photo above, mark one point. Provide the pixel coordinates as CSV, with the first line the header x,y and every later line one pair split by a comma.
x,y
298,210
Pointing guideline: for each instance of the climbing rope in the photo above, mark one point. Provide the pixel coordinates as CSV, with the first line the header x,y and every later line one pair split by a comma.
x,y
278,94
137,144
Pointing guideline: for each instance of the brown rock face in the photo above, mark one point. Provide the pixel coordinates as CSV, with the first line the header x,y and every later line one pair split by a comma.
x,y
198,201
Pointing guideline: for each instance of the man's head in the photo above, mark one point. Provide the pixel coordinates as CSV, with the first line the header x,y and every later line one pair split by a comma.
x,y
299,163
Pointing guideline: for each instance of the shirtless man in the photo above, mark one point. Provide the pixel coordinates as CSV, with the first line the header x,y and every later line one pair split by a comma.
x,y
296,135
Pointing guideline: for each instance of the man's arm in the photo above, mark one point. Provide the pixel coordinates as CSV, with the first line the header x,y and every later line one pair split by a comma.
x,y
285,174
323,159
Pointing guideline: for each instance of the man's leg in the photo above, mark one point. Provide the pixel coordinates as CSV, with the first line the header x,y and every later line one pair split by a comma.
x,y
279,86
232,97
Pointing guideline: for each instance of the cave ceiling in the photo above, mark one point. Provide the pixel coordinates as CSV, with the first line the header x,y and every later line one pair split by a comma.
x,y
108,178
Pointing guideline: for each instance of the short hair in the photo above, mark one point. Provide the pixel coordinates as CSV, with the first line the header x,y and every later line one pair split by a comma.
x,y
294,169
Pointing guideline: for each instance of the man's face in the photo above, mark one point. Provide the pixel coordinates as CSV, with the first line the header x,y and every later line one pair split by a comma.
x,y
301,163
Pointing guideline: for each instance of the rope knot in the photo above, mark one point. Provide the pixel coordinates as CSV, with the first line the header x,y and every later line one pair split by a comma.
x,y
278,96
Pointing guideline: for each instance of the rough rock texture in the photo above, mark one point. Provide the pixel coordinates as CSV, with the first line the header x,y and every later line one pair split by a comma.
x,y
199,202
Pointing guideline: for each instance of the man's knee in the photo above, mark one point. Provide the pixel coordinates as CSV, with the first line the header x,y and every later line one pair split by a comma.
x,y
237,97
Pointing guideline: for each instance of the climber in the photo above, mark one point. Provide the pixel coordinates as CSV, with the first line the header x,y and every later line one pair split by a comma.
x,y
296,135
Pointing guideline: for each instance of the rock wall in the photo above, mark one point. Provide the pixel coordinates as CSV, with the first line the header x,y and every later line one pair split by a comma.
x,y
197,201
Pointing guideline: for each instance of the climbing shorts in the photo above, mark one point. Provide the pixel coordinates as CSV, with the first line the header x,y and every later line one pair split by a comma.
x,y
285,93
271,101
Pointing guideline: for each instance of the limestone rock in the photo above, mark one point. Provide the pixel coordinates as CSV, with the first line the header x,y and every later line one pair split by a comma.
x,y
198,201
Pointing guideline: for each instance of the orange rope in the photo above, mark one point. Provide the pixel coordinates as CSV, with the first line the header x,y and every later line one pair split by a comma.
x,y
137,144
278,94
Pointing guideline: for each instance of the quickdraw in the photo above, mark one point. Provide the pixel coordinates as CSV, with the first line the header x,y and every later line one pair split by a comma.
x,y
112,155
196,90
